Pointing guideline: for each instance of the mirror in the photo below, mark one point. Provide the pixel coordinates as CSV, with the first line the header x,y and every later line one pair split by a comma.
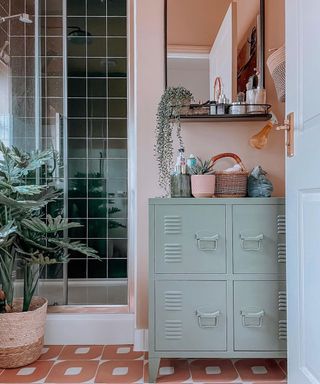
x,y
206,39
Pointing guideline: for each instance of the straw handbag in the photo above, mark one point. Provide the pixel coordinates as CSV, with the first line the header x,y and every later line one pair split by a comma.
x,y
277,67
231,184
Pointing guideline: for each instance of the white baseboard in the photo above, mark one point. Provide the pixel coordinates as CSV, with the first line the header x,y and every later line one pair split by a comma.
x,y
90,329
141,340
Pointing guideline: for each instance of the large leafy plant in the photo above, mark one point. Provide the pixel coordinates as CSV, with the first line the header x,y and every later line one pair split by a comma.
x,y
30,238
171,104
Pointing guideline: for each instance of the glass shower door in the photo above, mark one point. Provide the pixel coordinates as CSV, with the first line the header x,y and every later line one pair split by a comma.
x,y
83,115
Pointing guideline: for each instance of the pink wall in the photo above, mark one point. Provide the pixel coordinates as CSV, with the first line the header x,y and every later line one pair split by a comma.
x,y
204,140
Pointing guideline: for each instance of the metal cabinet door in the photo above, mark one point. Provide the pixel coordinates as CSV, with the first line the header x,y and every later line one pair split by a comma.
x,y
259,239
190,239
260,316
190,315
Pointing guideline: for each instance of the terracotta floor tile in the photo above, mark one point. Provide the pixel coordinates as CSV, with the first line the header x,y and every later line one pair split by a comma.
x,y
32,373
51,352
283,365
120,352
170,371
73,372
81,352
269,370
120,372
213,371
179,368
270,382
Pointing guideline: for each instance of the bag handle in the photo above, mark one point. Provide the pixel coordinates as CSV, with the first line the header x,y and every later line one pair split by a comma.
x,y
233,156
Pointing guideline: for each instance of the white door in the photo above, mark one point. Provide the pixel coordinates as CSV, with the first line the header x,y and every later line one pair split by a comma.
x,y
223,55
303,191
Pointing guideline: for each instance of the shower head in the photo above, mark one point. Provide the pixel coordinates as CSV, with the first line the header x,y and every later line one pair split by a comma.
x,y
23,17
78,32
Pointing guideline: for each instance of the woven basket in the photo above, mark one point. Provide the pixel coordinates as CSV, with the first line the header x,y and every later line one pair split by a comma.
x,y
230,184
277,67
22,334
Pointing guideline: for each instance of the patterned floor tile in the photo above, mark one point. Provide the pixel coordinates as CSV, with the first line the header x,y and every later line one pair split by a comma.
x,y
72,372
51,352
171,371
213,371
259,370
32,373
81,352
120,372
270,382
120,364
121,352
283,365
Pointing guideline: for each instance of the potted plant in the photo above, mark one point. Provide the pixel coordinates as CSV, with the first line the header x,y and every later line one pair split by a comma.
x,y
30,239
202,179
173,102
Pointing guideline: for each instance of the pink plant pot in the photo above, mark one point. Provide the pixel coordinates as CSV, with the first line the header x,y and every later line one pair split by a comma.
x,y
203,185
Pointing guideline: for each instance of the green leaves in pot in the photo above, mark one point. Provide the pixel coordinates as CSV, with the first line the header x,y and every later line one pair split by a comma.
x,y
202,167
30,238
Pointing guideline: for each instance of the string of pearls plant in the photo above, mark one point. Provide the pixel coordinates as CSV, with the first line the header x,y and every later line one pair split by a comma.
x,y
171,104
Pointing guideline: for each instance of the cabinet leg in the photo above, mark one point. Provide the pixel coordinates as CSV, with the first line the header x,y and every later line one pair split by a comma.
x,y
154,363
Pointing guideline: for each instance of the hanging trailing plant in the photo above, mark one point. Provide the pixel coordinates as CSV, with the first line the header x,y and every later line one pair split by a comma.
x,y
171,104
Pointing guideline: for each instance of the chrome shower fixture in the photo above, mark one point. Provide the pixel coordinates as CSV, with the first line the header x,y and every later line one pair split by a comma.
x,y
23,17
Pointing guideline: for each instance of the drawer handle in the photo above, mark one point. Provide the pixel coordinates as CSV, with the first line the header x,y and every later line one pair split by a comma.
x,y
208,243
252,319
205,317
258,239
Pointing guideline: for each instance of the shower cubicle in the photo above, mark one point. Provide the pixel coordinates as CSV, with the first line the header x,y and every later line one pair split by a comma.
x,y
63,84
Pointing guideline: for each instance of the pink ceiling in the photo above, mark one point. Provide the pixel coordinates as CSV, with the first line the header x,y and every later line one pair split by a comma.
x,y
197,22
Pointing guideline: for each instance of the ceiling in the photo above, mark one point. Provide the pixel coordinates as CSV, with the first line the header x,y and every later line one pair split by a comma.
x,y
197,22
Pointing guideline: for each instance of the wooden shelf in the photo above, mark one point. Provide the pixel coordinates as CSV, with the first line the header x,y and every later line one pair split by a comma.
x,y
225,118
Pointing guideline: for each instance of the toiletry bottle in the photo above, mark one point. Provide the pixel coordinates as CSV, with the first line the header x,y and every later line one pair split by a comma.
x,y
222,104
183,162
191,162
177,168
180,180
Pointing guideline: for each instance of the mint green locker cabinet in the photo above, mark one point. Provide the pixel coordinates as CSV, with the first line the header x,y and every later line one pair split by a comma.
x,y
260,316
259,239
190,239
190,316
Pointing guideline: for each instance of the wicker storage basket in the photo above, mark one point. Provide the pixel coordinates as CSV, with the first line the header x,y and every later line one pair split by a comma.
x,y
277,67
22,333
231,184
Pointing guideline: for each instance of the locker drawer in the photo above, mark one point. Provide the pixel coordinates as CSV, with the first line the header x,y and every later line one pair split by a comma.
x,y
190,239
260,316
190,315
259,239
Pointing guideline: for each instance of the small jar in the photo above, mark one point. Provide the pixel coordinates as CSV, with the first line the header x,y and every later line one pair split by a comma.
x,y
222,109
238,108
213,108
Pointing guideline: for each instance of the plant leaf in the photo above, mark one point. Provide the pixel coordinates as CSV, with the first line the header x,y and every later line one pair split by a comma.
x,y
55,225
76,246
29,189
6,231
21,204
